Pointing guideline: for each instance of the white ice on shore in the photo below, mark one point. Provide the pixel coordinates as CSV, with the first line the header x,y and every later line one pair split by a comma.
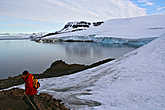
x,y
132,82
129,28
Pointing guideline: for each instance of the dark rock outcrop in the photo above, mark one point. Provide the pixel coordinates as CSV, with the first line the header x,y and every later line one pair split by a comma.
x,y
60,68
97,23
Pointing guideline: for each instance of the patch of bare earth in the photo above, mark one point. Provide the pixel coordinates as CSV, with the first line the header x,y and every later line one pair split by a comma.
x,y
14,99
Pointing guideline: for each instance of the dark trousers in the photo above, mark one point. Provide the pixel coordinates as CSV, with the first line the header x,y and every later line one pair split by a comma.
x,y
30,99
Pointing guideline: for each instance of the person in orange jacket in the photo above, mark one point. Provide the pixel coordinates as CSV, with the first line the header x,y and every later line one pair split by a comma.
x,y
30,91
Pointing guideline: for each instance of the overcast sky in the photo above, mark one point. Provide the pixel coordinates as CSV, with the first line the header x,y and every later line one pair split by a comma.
x,y
51,15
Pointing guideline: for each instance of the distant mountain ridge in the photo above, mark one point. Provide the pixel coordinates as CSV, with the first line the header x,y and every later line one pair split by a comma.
x,y
75,26
69,27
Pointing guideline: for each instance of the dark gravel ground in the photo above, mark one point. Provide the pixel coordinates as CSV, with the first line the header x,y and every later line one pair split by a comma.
x,y
14,99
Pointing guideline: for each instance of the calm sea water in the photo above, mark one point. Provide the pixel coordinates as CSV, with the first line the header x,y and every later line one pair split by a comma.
x,y
19,55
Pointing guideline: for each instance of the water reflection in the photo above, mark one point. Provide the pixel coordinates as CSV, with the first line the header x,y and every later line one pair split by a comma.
x,y
18,55
87,53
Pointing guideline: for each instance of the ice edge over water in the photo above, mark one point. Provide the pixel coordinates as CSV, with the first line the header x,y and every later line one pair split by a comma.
x,y
114,41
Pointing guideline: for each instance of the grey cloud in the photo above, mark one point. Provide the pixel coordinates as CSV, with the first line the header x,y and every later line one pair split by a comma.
x,y
65,10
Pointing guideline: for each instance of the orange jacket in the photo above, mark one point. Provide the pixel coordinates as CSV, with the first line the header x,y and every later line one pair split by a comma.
x,y
29,89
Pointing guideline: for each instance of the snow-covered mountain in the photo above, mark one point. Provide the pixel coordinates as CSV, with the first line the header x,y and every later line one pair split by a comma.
x,y
78,26
132,82
130,28
72,27
75,26
135,32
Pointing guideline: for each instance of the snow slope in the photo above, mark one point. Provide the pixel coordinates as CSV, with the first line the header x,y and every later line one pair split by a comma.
x,y
130,28
132,82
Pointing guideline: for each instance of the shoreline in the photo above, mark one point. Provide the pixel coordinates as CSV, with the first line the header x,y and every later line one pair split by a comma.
x,y
57,69
44,100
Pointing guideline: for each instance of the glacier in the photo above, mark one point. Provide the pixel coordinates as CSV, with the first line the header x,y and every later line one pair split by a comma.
x,y
135,32
134,81
126,28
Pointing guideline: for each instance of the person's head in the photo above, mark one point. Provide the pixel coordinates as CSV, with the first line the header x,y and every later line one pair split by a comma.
x,y
25,73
